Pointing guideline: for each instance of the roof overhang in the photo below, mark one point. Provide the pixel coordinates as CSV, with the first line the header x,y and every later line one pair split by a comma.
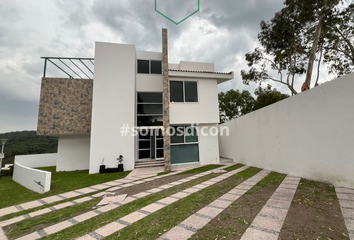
x,y
220,77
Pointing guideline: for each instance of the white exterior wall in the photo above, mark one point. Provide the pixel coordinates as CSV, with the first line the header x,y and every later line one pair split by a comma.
x,y
208,144
27,176
310,135
113,105
205,111
73,153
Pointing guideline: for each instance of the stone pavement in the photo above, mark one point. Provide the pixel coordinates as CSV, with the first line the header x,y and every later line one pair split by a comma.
x,y
346,202
192,224
146,172
131,218
88,215
269,221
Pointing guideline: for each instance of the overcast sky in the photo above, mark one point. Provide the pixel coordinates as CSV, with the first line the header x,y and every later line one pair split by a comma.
x,y
223,31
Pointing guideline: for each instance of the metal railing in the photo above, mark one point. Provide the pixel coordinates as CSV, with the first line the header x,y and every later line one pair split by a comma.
x,y
76,68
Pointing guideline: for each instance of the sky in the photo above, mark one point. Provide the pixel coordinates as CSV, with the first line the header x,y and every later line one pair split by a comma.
x,y
222,32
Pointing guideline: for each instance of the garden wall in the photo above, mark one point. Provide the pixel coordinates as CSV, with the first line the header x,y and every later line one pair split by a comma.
x,y
310,135
34,179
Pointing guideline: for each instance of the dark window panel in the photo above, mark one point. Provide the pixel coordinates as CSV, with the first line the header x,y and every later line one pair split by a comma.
x,y
145,154
176,91
159,143
146,97
191,91
184,153
150,109
191,134
144,145
177,134
144,134
160,153
148,121
144,66
156,67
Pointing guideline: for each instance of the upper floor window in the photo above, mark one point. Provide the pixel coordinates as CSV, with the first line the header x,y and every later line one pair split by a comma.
x,y
149,109
183,91
150,66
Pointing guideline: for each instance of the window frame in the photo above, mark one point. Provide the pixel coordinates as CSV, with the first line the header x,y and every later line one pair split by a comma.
x,y
184,135
184,90
147,103
156,74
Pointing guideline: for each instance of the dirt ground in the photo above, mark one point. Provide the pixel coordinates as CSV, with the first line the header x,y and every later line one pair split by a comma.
x,y
150,185
233,221
314,214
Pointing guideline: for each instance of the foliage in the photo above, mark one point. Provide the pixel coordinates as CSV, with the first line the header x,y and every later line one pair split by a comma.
x,y
267,96
293,38
27,142
234,104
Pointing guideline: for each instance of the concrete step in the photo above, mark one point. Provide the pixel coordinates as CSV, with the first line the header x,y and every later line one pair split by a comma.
x,y
149,163
226,160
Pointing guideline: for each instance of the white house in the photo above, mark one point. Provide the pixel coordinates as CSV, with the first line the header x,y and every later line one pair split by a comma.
x,y
127,90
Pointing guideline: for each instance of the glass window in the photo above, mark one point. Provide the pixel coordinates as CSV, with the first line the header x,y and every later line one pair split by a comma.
x,y
144,154
184,153
150,121
156,67
160,153
146,97
177,134
191,134
144,144
159,143
191,91
150,109
144,66
176,91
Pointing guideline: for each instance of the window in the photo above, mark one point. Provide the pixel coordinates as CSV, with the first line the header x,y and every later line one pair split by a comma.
x,y
150,67
156,67
183,91
184,144
143,66
183,134
149,109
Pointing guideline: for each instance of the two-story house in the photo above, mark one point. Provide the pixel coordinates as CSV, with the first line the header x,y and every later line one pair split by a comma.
x,y
121,110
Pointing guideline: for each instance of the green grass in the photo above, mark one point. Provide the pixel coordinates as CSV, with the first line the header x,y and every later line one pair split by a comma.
x,y
105,218
13,193
201,169
233,167
34,224
152,226
272,178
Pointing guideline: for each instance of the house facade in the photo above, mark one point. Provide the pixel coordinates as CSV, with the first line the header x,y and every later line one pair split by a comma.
x,y
121,111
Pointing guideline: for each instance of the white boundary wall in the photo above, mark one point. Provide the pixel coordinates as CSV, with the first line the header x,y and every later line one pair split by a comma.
x,y
310,135
25,175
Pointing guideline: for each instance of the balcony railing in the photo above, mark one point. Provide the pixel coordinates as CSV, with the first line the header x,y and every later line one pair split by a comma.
x,y
72,67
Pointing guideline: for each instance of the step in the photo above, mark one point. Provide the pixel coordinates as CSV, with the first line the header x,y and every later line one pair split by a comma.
x,y
150,164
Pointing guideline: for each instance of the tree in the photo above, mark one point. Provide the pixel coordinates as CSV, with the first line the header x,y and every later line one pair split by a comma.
x,y
297,36
234,104
267,96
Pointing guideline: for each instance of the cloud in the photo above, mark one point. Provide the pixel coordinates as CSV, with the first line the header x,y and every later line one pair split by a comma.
x,y
221,32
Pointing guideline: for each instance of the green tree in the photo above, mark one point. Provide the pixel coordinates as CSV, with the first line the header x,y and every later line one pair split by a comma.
x,y
267,96
300,34
234,104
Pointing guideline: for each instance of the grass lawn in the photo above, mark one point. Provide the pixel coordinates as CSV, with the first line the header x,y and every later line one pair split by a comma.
x,y
13,193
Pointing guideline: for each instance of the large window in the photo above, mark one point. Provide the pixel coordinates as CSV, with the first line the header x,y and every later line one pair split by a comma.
x,y
150,66
183,91
149,109
184,144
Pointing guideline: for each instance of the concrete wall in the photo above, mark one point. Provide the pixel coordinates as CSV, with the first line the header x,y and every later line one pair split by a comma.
x,y
27,176
73,153
113,105
205,111
208,145
310,135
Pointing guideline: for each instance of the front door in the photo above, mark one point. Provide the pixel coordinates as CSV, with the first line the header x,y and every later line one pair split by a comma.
x,y
150,144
